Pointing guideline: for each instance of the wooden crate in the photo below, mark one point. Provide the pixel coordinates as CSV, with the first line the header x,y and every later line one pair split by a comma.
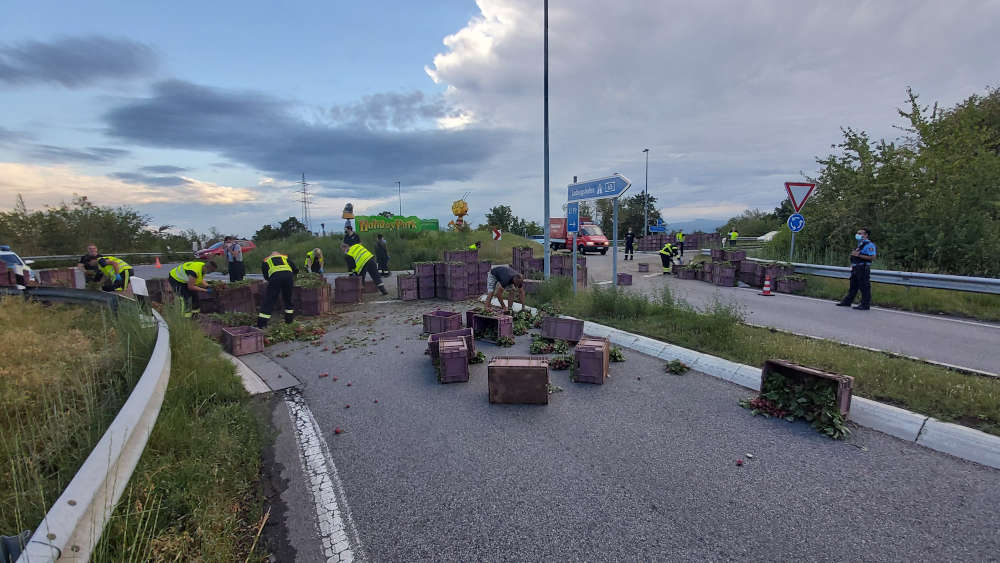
x,y
240,340
518,380
453,363
844,383
644,267
441,321
347,289
570,330
502,325
624,279
591,358
465,333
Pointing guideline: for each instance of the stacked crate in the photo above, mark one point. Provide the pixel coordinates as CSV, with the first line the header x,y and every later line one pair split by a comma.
x,y
440,286
6,275
521,254
456,281
453,360
347,289
424,272
484,270
406,287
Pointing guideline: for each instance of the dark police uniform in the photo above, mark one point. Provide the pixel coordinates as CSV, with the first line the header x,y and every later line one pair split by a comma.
x,y
860,277
630,246
279,271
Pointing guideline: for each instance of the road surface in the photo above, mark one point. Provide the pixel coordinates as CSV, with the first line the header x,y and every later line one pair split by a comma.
x,y
641,468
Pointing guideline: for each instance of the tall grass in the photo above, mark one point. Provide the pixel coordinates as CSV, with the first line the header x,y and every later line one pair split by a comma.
x,y
65,372
944,394
194,494
404,248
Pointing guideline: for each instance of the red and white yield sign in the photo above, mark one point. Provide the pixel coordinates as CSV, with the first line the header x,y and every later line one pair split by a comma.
x,y
799,192
497,234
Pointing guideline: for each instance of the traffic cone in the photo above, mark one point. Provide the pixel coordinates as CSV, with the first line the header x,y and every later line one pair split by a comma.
x,y
157,265
767,287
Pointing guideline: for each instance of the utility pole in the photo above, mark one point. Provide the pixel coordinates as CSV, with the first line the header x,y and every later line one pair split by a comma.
x,y
548,250
305,200
645,199
399,193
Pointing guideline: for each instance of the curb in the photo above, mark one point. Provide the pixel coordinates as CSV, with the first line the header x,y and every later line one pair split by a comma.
x,y
953,439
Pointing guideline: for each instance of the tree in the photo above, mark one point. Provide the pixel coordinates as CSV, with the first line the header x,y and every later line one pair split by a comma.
x,y
291,226
387,214
501,217
629,215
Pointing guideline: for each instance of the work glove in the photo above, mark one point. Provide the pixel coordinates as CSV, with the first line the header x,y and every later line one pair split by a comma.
x,y
118,277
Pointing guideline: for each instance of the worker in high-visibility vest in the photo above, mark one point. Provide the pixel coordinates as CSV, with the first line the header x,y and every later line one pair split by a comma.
x,y
114,271
314,261
475,245
279,271
680,241
188,281
360,262
667,254
733,235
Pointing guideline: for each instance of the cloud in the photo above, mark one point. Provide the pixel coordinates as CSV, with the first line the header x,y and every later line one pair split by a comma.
x,y
145,179
53,153
42,185
74,62
264,133
399,111
163,169
10,136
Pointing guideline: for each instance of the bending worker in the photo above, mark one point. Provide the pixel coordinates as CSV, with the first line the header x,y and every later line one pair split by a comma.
x,y
114,271
667,254
188,281
499,279
314,261
279,271
360,262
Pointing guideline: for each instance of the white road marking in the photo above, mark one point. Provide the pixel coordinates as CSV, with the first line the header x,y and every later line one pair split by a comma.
x,y
651,275
337,532
602,283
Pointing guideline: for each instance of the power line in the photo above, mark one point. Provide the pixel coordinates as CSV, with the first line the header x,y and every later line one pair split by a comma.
x,y
305,198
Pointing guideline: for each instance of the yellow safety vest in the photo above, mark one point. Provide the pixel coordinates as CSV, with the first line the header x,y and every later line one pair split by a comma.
x,y
113,266
277,264
473,247
310,256
733,235
360,255
680,237
180,272
667,249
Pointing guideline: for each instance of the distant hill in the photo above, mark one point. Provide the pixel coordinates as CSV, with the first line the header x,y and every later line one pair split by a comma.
x,y
705,225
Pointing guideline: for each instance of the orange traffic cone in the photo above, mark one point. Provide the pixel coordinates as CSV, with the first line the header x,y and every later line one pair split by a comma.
x,y
767,287
157,265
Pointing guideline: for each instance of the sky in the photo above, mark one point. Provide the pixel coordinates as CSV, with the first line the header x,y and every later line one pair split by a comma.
x,y
206,114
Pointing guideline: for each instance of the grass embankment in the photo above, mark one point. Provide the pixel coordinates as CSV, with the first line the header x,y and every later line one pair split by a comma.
x,y
194,494
65,372
918,299
404,248
944,394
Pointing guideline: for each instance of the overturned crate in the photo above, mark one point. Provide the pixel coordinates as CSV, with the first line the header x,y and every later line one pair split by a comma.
x,y
843,384
590,359
433,342
570,330
518,380
453,361
240,340
492,328
441,321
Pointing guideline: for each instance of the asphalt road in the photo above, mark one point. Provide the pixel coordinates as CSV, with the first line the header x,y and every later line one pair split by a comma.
x,y
641,468
958,342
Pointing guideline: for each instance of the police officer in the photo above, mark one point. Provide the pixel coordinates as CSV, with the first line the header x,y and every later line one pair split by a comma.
x,y
679,237
733,235
382,255
115,272
350,237
630,244
279,271
314,261
667,254
861,262
359,262
188,281
85,262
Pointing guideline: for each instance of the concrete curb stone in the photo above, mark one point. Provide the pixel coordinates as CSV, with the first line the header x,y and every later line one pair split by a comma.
x,y
961,441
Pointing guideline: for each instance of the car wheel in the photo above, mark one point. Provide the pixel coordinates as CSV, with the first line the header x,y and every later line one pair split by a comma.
x,y
581,249
604,251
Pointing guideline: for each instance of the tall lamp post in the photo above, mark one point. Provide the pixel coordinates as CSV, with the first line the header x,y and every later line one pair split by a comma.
x,y
399,192
545,96
645,199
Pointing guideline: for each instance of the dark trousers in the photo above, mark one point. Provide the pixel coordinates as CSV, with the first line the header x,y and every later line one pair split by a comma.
x,y
860,281
237,271
383,263
280,284
629,251
315,267
371,269
192,303
666,260
680,246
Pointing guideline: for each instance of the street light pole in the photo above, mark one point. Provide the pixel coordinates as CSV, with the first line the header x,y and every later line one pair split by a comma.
x,y
545,87
645,199
399,192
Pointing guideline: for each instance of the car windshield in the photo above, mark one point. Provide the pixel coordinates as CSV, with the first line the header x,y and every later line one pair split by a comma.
x,y
591,231
214,246
11,259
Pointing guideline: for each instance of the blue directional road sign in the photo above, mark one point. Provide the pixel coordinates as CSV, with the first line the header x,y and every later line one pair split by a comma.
x,y
572,217
612,186
659,227
796,222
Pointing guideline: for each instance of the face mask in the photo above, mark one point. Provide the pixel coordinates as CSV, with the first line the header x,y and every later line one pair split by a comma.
x,y
857,237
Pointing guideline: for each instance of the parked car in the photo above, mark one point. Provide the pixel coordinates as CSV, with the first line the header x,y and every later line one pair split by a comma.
x,y
216,249
14,262
540,239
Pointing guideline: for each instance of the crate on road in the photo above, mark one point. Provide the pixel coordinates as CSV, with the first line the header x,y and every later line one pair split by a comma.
x,y
518,380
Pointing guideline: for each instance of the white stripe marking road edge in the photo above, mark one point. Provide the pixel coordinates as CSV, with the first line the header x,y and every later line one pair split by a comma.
x,y
337,533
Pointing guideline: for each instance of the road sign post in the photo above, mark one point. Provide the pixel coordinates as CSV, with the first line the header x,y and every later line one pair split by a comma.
x,y
798,193
602,188
572,226
796,222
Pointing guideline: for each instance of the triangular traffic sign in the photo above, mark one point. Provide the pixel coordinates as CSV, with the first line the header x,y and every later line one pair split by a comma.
x,y
799,192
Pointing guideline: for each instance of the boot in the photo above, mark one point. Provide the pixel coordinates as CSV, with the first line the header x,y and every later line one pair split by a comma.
x,y
289,317
261,323
382,290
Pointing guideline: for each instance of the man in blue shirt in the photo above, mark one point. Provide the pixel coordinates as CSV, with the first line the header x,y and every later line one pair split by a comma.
x,y
861,262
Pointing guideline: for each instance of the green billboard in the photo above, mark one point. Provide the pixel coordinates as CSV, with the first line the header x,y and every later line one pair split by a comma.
x,y
412,223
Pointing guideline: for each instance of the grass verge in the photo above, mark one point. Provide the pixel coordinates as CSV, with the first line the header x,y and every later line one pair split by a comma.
x,y
918,299
194,494
65,372
947,395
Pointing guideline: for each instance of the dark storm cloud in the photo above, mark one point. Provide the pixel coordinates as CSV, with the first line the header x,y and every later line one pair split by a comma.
x,y
9,136
74,61
391,110
145,179
262,132
163,169
53,153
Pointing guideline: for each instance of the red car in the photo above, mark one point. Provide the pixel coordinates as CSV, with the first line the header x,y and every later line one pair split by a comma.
x,y
216,249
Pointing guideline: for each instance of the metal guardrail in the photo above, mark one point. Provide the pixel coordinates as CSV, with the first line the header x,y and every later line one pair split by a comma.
x,y
77,256
909,279
74,524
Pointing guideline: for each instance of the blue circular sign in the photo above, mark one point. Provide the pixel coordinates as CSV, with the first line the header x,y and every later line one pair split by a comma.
x,y
796,221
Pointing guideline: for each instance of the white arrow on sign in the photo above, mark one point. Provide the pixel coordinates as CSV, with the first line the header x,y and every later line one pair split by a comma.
x,y
497,234
799,192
